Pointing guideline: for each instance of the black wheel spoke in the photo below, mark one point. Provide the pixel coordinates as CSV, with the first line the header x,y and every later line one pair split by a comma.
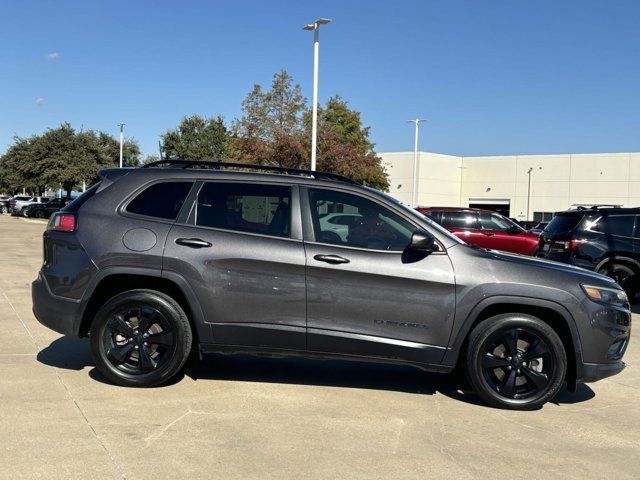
x,y
538,378
508,387
122,327
510,342
120,354
536,350
143,324
491,361
146,362
163,338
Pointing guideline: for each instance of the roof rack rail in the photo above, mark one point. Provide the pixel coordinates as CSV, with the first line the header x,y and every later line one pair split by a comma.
x,y
594,206
269,168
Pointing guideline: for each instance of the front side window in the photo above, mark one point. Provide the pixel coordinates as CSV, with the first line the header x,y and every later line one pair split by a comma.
x,y
364,223
491,221
251,208
161,200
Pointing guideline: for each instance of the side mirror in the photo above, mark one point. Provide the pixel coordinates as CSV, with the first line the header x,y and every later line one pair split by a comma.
x,y
423,242
512,230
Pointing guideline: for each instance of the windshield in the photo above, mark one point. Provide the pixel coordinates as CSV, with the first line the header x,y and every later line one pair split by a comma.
x,y
562,223
418,215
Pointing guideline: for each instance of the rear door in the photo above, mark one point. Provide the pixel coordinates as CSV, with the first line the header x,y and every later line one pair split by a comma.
x,y
465,226
365,296
240,249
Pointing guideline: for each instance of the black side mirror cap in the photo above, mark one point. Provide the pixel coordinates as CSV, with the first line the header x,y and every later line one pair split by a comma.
x,y
423,242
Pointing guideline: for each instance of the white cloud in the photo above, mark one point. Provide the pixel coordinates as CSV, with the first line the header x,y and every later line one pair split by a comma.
x,y
39,101
53,56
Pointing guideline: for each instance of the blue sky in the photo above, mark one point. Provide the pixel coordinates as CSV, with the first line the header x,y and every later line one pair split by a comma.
x,y
492,77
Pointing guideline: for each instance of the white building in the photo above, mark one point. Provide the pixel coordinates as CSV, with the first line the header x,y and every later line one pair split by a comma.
x,y
501,183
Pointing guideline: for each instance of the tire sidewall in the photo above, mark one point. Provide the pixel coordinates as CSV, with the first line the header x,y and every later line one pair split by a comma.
x,y
174,315
487,329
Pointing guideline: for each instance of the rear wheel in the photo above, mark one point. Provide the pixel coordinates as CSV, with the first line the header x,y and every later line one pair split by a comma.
x,y
39,214
140,338
4,209
624,276
515,361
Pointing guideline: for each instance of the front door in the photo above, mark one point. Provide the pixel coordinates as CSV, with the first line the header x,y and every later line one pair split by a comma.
x,y
243,256
364,296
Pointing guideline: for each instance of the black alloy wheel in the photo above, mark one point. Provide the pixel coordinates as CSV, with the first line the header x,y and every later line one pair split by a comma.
x,y
140,338
515,361
624,276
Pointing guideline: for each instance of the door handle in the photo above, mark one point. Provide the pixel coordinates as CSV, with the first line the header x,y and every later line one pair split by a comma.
x,y
193,242
488,234
332,259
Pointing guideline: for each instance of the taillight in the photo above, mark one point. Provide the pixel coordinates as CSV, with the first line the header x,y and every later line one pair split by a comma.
x,y
62,222
573,244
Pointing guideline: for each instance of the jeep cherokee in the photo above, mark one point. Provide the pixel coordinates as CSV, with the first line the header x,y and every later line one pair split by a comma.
x,y
152,263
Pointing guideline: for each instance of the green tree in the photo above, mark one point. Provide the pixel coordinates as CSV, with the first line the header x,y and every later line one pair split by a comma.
x,y
344,146
197,138
62,156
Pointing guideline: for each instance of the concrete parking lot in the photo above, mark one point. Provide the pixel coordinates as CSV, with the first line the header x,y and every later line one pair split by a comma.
x,y
240,417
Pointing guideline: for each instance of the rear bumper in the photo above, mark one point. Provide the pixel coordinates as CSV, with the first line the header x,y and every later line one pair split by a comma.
x,y
59,314
592,372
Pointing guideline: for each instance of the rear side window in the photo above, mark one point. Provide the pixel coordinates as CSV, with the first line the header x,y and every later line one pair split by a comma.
x,y
619,225
562,224
160,200
252,208
459,220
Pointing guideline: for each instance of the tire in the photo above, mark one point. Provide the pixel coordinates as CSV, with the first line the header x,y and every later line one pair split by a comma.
x,y
134,355
5,210
518,376
39,214
625,276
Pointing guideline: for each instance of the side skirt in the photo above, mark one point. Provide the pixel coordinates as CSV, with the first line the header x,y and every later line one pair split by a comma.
x,y
316,355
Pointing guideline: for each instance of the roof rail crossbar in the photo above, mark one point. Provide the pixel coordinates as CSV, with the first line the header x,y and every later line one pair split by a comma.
x,y
269,168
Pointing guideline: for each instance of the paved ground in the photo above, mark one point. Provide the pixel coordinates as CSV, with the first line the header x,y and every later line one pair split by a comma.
x,y
239,417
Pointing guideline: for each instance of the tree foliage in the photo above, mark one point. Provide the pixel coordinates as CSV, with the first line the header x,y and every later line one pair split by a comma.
x,y
197,138
62,157
275,129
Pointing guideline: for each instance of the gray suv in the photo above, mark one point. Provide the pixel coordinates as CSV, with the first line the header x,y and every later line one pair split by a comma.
x,y
156,262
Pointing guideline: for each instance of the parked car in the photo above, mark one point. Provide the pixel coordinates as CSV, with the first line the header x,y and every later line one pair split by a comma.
x,y
605,240
527,224
151,263
14,200
484,229
5,205
540,226
18,206
44,210
340,223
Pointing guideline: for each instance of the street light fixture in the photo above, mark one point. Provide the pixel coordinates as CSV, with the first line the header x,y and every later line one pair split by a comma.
x,y
415,161
121,125
315,26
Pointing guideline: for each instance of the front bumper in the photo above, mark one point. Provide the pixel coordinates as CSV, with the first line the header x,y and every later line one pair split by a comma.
x,y
57,313
592,372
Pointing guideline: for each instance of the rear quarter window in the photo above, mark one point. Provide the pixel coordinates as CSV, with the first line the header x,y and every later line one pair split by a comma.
x,y
562,224
618,225
160,200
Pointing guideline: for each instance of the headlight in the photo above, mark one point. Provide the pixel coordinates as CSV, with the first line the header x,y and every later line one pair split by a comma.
x,y
610,296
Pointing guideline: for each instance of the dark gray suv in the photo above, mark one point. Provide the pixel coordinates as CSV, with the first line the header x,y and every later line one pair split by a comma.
x,y
156,262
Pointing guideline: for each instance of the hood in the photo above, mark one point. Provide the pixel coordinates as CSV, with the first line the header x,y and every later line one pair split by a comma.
x,y
549,265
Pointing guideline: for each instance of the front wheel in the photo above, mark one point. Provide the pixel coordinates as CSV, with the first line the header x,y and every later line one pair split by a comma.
x,y
515,361
140,338
624,276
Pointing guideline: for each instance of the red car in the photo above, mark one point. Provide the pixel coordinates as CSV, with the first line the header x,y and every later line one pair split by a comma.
x,y
484,228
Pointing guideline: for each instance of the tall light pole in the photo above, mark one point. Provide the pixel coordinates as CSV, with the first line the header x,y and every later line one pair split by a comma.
x,y
121,125
415,161
315,26
529,172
